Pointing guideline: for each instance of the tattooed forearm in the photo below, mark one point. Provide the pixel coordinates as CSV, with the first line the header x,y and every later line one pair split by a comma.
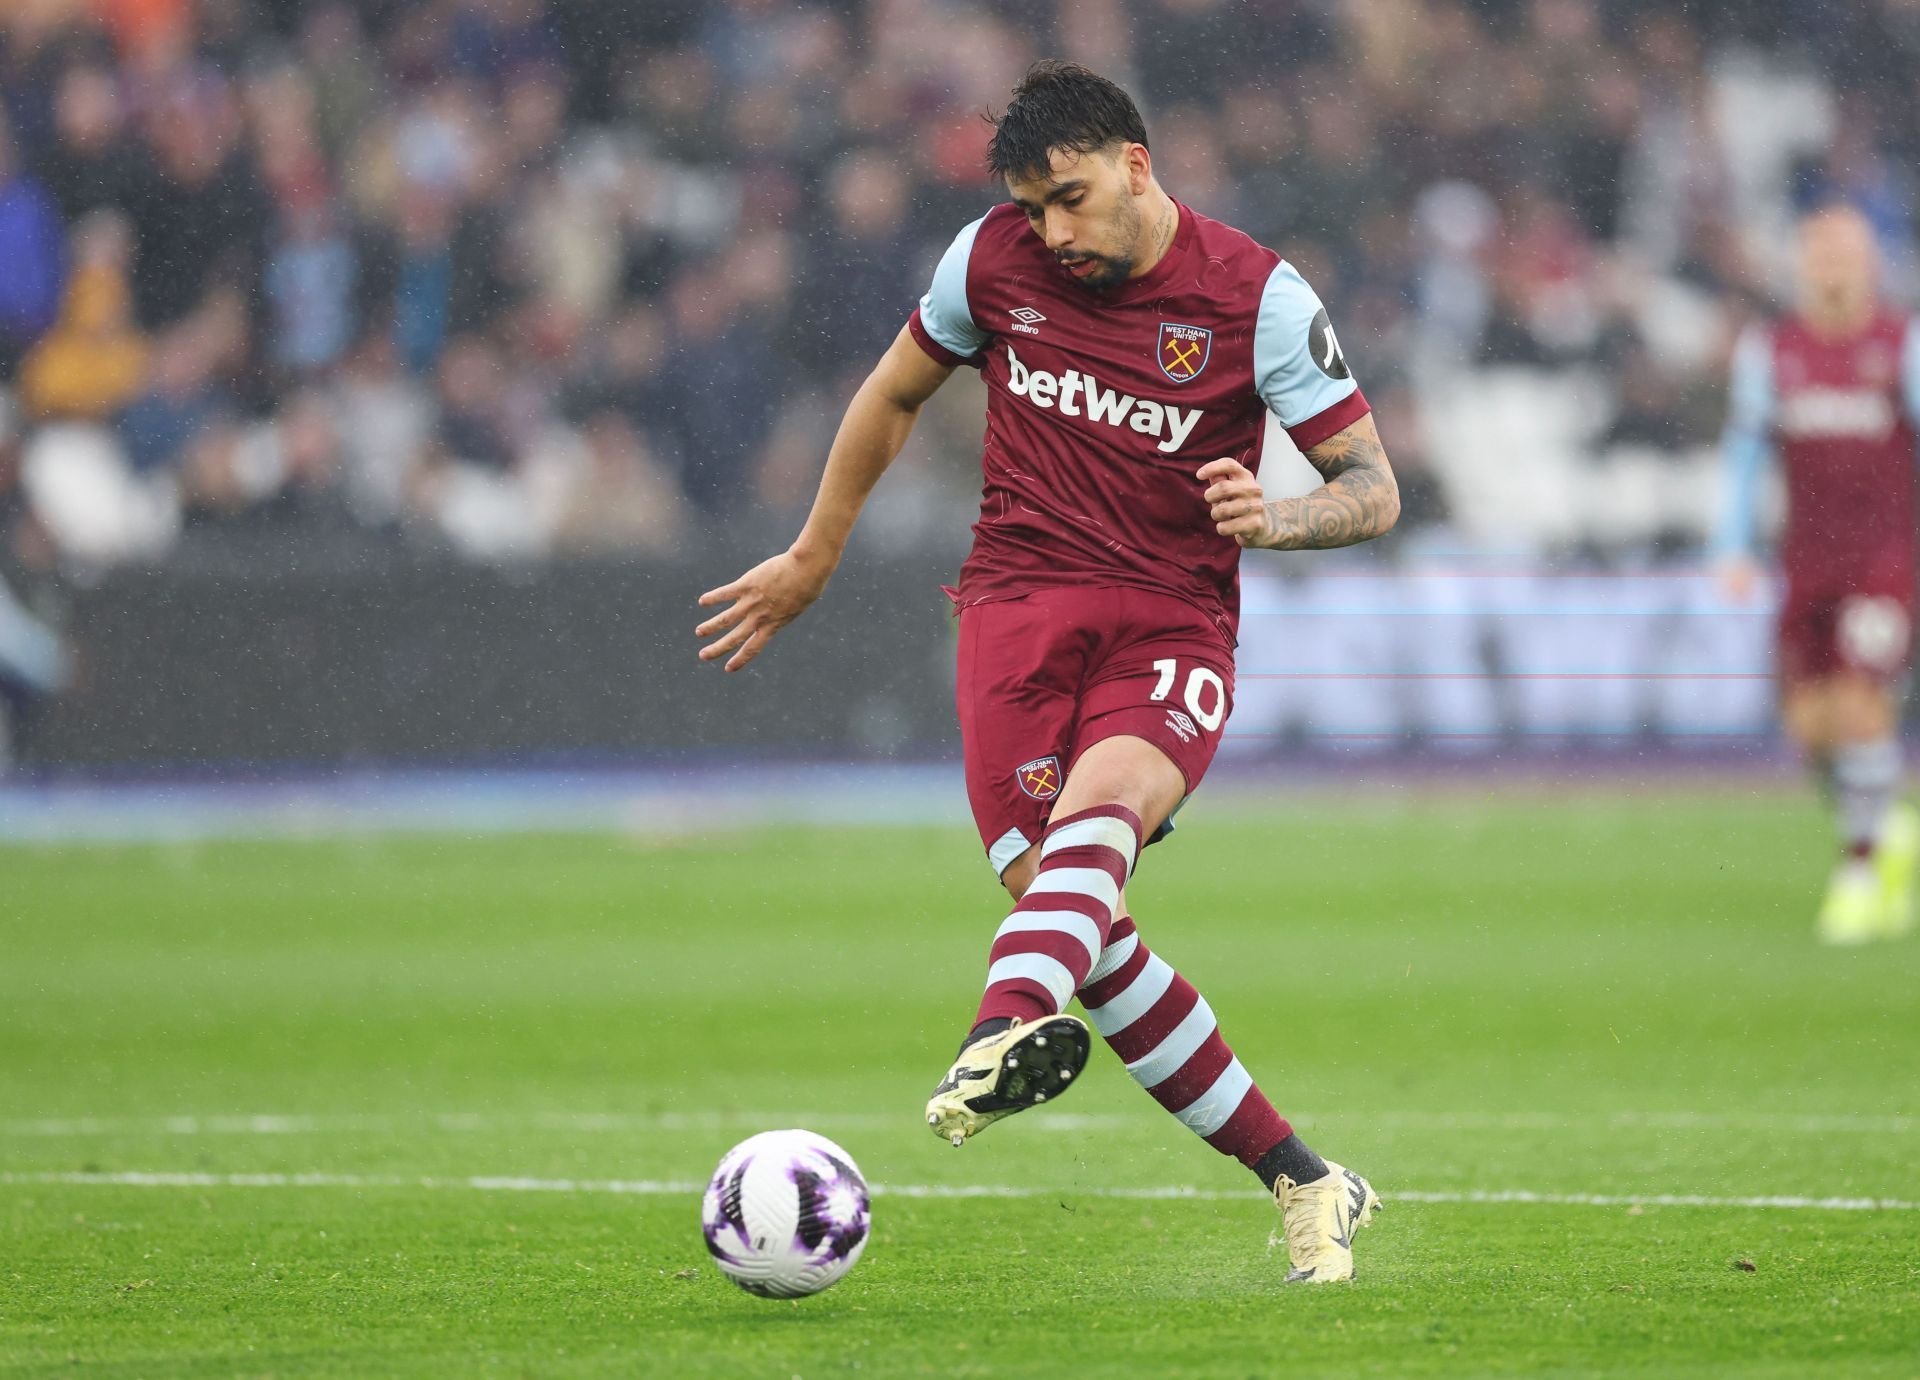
x,y
1359,501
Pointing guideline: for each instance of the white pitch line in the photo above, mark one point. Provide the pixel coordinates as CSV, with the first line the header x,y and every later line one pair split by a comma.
x,y
467,1123
659,1188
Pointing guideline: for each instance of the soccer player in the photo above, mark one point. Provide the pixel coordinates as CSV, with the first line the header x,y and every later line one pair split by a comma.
x,y
1834,390
1131,349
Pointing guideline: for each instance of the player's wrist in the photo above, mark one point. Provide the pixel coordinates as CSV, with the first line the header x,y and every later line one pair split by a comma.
x,y
816,553
1282,530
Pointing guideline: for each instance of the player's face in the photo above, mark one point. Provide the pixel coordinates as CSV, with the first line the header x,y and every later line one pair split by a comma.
x,y
1839,262
1087,210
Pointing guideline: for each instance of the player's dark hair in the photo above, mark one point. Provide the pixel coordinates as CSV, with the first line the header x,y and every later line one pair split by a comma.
x,y
1060,105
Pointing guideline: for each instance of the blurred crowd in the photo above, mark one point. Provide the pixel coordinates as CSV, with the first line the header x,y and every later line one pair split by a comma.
x,y
522,276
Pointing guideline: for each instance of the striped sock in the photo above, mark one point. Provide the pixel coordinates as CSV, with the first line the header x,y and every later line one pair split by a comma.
x,y
1046,948
1866,778
1165,1032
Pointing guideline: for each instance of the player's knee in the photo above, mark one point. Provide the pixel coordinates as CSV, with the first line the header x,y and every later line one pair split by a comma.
x,y
1807,718
1019,873
1129,772
1861,711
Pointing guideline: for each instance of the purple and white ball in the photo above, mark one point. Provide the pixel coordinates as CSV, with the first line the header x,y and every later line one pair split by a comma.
x,y
786,1214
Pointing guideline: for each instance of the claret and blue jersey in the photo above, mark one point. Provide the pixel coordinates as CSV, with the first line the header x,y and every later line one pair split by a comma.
x,y
1101,406
1840,415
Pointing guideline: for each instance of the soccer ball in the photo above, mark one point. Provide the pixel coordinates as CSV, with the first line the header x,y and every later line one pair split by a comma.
x,y
786,1214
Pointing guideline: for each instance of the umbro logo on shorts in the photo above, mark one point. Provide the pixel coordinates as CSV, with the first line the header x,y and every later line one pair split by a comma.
x,y
1040,778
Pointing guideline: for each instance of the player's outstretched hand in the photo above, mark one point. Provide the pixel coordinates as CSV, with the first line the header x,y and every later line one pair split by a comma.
x,y
1239,505
759,604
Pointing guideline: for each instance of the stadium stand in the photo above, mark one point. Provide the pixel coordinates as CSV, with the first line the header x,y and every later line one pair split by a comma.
x,y
511,279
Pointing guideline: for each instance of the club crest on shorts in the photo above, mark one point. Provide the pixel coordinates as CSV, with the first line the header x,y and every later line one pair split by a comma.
x,y
1040,778
1184,351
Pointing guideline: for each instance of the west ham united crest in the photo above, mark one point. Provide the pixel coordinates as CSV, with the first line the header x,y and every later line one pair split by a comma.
x,y
1040,778
1184,351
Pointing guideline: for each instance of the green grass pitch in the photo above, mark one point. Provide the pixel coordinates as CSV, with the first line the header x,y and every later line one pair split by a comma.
x,y
463,1040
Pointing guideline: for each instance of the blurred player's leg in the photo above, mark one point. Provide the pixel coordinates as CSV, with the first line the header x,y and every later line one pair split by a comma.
x,y
1866,779
1847,723
1841,654
1849,912
1876,829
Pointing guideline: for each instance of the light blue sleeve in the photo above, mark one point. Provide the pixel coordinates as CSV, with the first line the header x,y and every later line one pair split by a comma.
x,y
1910,372
1746,446
1298,368
944,310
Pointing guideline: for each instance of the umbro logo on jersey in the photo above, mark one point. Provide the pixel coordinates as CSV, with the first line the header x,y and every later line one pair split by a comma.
x,y
1026,320
1169,426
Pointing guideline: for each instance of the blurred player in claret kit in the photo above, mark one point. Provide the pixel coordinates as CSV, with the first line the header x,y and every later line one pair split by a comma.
x,y
1834,390
1131,350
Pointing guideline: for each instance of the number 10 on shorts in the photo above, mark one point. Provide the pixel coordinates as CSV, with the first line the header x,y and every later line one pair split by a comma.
x,y
1202,685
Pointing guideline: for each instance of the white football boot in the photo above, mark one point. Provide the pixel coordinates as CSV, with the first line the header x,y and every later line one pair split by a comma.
x,y
1028,1063
1320,1219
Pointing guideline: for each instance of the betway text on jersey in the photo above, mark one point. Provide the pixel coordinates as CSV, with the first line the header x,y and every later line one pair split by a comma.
x,y
1168,425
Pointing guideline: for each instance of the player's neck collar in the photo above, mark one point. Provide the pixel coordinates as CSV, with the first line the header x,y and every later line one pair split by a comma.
x,y
1849,328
